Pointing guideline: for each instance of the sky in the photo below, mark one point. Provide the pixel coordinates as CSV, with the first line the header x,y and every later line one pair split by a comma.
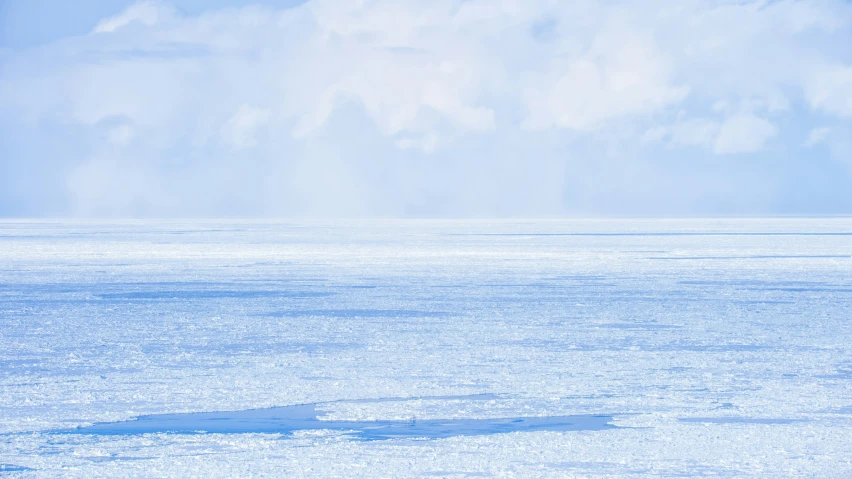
x,y
446,108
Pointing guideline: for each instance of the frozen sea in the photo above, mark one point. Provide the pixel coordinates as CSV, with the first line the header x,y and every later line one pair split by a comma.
x,y
586,348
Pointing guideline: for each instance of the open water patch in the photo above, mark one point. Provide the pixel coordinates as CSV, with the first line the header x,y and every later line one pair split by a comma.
x,y
759,256
358,313
13,468
290,419
841,372
211,294
638,326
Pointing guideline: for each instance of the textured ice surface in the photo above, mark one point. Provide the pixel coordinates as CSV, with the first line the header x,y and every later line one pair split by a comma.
x,y
719,347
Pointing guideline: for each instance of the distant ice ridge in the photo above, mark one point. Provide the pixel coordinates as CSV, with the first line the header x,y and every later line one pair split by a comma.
x,y
717,346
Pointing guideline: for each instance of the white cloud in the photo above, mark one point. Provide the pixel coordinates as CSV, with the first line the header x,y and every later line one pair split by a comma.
x,y
743,134
240,130
694,132
453,106
147,13
830,90
621,75
426,143
401,64
120,135
817,136
655,134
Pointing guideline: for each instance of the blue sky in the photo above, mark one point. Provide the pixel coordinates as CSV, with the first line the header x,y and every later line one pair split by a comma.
x,y
445,108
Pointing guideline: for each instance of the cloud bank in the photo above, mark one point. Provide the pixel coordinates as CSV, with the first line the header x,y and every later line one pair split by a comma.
x,y
444,108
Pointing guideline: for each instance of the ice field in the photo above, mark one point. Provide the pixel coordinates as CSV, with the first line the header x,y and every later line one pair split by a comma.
x,y
586,348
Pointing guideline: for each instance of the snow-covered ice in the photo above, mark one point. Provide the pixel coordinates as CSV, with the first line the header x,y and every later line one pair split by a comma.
x,y
700,347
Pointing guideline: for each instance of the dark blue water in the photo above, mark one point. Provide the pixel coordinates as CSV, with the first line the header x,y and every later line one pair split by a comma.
x,y
211,294
288,419
13,468
359,313
760,256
